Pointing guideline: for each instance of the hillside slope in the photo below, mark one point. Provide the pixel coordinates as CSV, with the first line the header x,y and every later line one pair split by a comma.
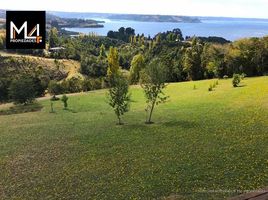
x,y
201,142
68,68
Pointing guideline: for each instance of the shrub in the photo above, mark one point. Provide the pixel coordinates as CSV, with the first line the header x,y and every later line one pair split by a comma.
x,y
64,99
75,85
96,84
210,88
93,67
236,80
4,84
217,82
86,85
243,76
22,90
54,88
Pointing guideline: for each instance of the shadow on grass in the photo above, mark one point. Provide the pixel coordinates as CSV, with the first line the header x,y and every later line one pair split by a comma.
x,y
243,85
70,110
181,123
18,109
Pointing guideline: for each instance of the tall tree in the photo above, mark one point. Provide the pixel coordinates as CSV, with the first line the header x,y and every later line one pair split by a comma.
x,y
113,62
102,54
53,38
137,64
192,61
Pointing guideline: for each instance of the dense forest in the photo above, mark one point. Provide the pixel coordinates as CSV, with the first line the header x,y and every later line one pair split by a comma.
x,y
184,58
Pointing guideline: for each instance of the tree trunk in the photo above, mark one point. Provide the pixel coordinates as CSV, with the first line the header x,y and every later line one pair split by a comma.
x,y
119,120
151,112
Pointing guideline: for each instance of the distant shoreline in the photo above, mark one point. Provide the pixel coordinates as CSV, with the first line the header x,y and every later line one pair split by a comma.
x,y
131,17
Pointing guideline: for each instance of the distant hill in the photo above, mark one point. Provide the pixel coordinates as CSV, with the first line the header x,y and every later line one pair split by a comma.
x,y
156,18
62,22
132,17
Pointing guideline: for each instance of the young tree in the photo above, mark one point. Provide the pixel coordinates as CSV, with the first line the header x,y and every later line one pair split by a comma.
x,y
118,96
51,107
236,80
102,54
22,90
137,64
64,99
153,79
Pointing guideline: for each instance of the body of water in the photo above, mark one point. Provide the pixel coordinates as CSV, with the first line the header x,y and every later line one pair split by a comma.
x,y
231,29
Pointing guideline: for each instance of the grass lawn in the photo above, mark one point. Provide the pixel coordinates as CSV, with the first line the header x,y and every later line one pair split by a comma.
x,y
203,145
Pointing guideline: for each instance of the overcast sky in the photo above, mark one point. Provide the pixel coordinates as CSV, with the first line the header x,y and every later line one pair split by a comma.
x,y
229,8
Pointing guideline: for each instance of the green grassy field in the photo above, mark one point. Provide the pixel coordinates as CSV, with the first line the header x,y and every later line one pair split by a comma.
x,y
203,145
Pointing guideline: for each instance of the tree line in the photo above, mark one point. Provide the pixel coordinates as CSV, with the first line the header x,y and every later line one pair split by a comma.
x,y
184,59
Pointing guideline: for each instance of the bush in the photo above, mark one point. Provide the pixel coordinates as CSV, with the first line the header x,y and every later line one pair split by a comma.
x,y
22,90
4,85
54,88
210,88
64,99
86,85
74,85
96,84
93,67
236,80
243,76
